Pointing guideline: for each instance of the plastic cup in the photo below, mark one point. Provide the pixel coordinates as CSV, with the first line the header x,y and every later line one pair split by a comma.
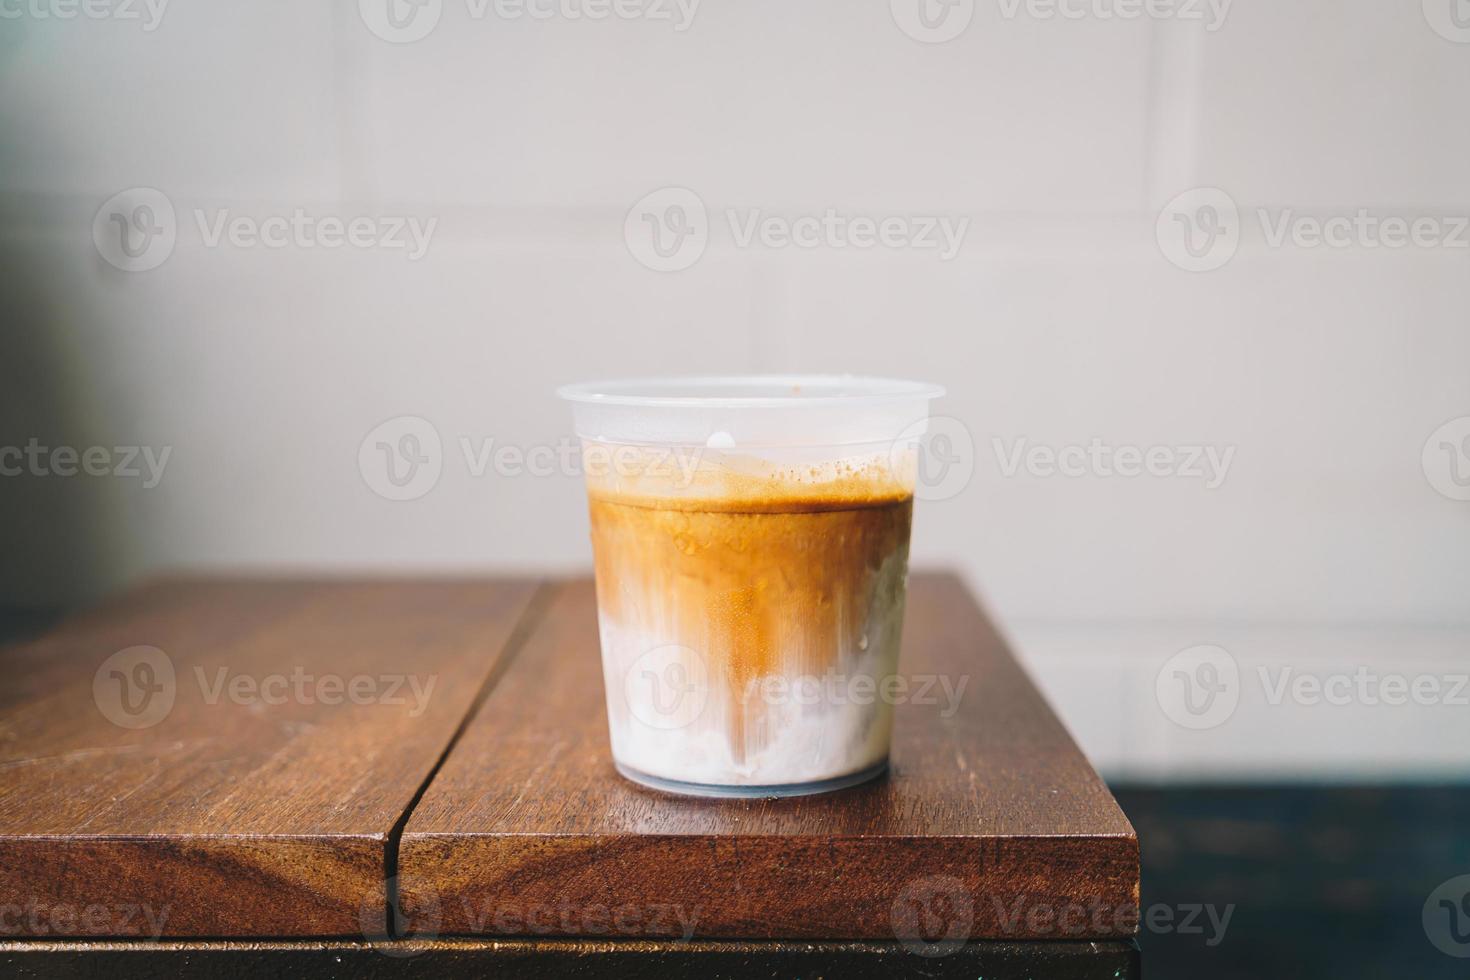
x,y
750,537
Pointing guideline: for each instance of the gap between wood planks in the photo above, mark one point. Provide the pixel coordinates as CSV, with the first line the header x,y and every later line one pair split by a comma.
x,y
530,618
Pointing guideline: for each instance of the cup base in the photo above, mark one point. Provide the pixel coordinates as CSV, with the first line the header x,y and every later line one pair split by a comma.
x,y
681,788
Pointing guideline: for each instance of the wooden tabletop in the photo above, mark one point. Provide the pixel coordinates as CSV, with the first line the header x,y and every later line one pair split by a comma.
x,y
192,759
479,794
990,814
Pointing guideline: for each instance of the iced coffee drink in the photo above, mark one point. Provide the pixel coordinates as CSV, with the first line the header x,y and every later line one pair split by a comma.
x,y
750,562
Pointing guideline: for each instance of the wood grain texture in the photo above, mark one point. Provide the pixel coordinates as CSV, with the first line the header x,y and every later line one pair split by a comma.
x,y
261,803
991,823
585,959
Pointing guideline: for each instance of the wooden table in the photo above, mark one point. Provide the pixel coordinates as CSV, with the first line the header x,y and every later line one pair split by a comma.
x,y
377,777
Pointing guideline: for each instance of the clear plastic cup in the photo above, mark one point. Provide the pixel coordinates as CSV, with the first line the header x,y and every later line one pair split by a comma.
x,y
750,537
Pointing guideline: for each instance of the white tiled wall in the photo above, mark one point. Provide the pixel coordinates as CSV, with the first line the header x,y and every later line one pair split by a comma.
x,y
760,102
1316,102
1283,727
1059,321
241,101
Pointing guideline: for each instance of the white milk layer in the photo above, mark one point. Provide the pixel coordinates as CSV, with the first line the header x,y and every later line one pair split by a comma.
x,y
672,713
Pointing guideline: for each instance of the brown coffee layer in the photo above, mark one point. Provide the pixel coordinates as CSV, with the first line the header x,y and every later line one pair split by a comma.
x,y
779,585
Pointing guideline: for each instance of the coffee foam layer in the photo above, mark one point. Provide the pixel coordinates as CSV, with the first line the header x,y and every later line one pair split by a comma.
x,y
711,479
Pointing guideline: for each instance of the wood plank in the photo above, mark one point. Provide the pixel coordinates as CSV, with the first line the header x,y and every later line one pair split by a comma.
x,y
301,720
991,823
581,958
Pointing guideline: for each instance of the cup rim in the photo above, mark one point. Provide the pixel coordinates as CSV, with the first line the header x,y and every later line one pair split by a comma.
x,y
786,391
